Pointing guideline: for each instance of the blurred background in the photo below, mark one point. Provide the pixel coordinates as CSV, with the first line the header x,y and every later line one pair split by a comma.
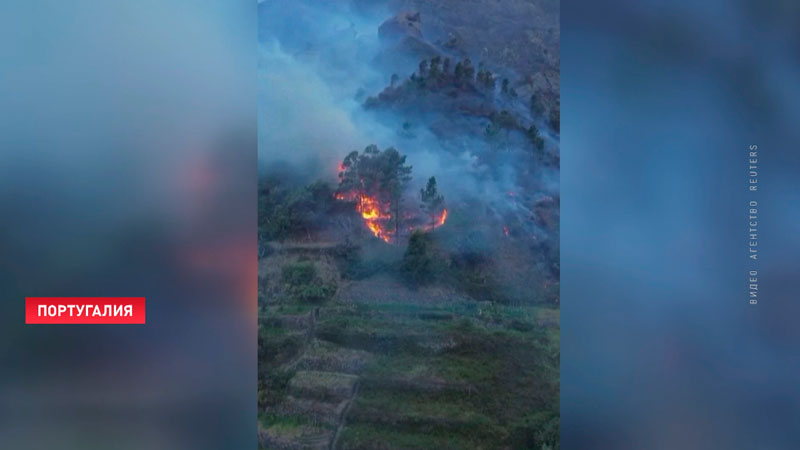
x,y
660,101
128,168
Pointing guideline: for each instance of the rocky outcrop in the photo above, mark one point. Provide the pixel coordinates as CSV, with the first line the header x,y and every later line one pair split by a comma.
x,y
404,25
403,42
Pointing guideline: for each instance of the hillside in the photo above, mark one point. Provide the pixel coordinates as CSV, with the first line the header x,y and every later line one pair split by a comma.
x,y
409,225
400,370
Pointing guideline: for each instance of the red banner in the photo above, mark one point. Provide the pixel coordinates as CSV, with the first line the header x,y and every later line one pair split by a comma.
x,y
84,310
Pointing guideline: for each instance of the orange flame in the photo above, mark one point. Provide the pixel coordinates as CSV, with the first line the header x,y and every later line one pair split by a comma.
x,y
437,222
373,213
442,218
377,216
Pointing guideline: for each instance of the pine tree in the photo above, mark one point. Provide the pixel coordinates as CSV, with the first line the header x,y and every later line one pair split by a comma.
x,y
423,68
395,175
488,80
382,175
432,201
458,72
418,261
536,139
434,68
469,70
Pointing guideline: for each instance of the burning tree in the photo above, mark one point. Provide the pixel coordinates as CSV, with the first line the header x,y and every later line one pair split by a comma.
x,y
433,203
375,180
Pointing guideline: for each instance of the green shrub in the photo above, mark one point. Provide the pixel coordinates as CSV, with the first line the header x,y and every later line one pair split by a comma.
x,y
272,387
303,284
418,261
472,273
353,267
537,431
286,211
299,273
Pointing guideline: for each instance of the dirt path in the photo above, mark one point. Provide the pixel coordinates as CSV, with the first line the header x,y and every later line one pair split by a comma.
x,y
343,417
322,441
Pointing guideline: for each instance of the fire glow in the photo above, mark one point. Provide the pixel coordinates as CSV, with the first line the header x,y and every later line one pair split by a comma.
x,y
377,216
440,219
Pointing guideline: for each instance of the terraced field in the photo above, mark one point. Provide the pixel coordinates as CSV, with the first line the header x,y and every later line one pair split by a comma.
x,y
361,375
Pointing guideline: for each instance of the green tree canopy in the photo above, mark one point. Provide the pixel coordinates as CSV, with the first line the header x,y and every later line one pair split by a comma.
x,y
381,175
